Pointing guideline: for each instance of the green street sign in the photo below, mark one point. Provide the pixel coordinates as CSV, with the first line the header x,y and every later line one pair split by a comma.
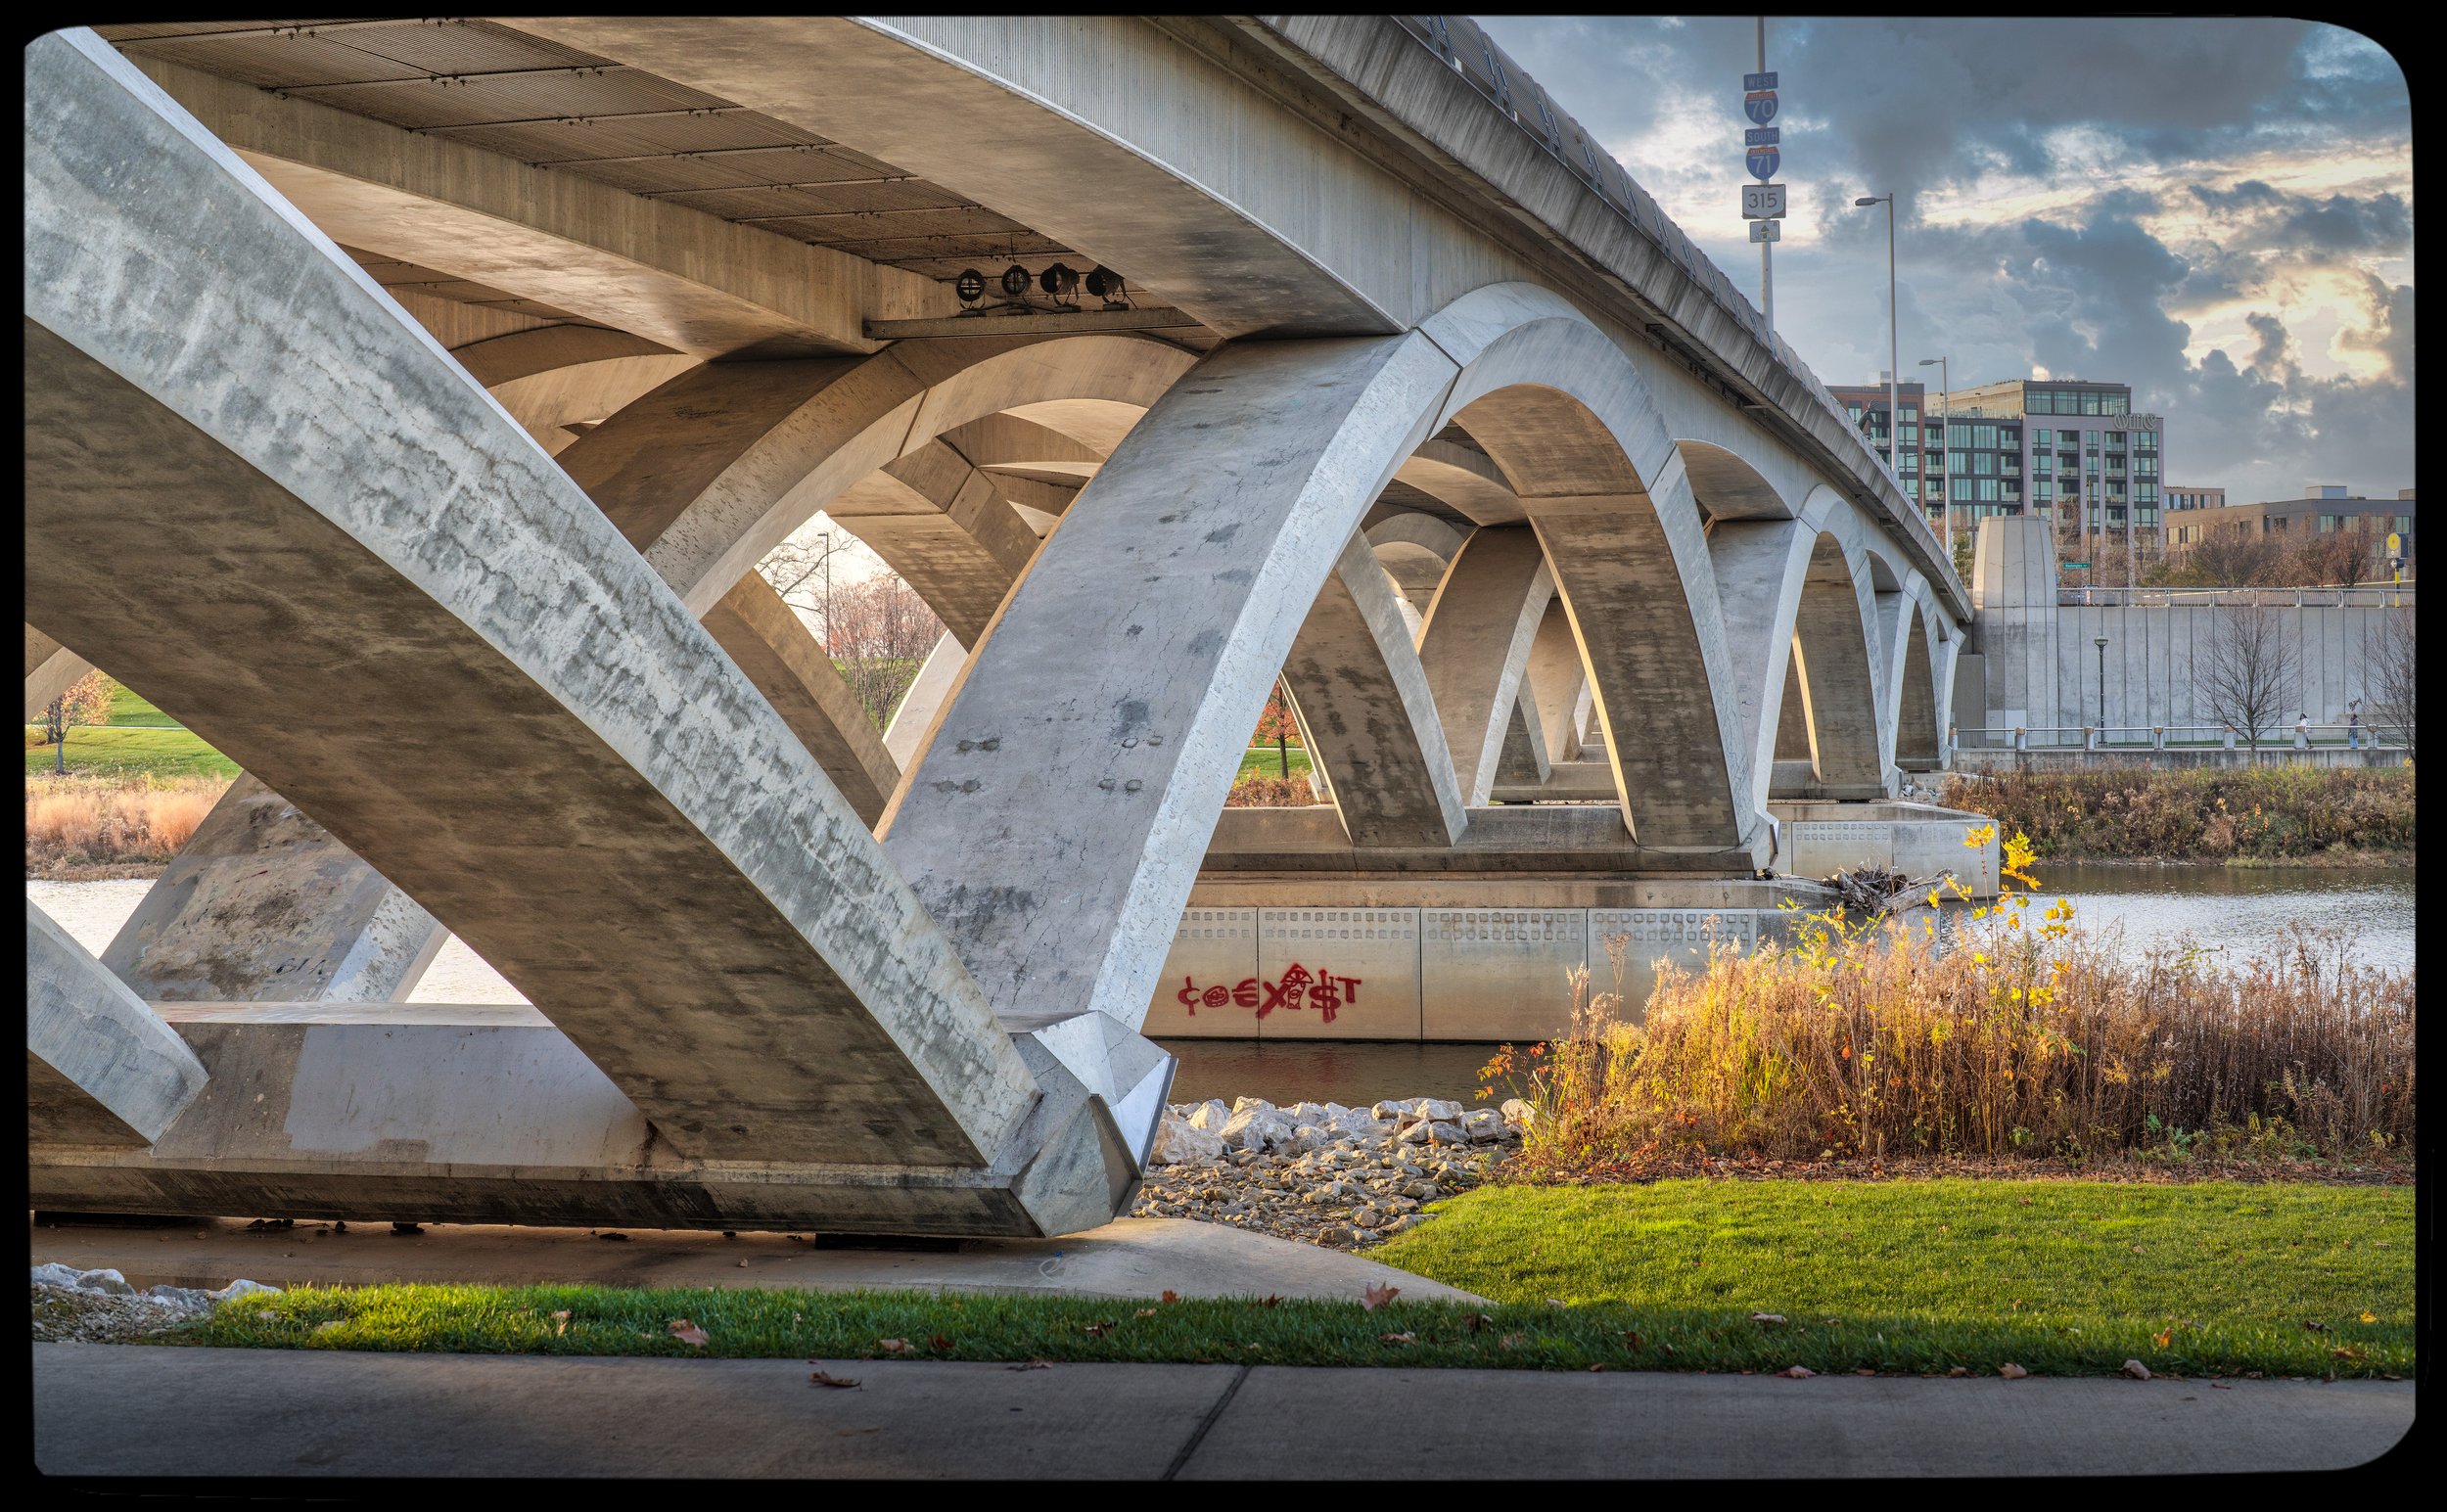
x,y
2077,566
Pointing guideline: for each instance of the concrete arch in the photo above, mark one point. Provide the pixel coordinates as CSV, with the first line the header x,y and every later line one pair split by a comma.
x,y
1569,421
655,860
1115,692
1475,647
1414,549
710,472
1727,486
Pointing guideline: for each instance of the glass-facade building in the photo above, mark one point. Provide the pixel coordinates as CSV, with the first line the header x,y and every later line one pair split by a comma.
x,y
2069,447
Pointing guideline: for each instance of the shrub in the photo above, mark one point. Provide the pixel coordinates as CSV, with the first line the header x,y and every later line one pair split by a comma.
x,y
75,822
2259,813
2024,1040
1271,792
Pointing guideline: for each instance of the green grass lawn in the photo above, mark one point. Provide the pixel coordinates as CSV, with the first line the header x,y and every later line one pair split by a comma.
x,y
1262,761
113,751
107,751
1893,1277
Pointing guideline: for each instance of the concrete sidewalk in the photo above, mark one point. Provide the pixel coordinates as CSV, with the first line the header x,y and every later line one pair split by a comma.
x,y
137,1410
1131,1257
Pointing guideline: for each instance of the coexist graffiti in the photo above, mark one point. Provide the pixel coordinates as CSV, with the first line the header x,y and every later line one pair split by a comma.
x,y
1296,988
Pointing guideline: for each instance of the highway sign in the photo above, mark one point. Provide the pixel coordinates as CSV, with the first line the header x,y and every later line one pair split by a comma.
x,y
1767,231
1763,201
1763,136
1762,162
1760,106
1758,81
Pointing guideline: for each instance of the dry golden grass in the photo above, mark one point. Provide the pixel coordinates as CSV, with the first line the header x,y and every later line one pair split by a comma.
x,y
86,822
2030,1038
1271,792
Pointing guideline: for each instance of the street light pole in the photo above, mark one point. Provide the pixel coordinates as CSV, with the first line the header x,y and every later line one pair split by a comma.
x,y
1894,411
2102,643
1945,441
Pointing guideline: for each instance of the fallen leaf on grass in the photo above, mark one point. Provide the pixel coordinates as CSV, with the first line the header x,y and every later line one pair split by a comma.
x,y
1864,1372
1145,1312
2136,1249
1513,1341
1396,1338
1376,1295
1796,1372
892,1346
2369,1318
1767,1317
1100,1330
686,1332
2316,1328
1593,1369
1631,1338
560,1323
2220,1386
838,1383
1958,1372
1033,1365
1170,1296
2164,1339
1269,1302
2011,1371
2137,1371
1474,1321
938,1342
2344,1352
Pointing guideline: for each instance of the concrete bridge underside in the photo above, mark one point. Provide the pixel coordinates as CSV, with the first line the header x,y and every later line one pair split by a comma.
x,y
431,432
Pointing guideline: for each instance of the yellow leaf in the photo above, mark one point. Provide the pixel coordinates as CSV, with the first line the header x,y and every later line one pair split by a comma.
x,y
2368,1318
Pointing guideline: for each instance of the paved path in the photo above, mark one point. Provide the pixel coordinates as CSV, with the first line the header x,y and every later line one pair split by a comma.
x,y
1132,1258
138,1410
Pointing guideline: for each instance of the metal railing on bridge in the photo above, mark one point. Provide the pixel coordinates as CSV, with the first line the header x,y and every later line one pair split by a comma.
x,y
2366,596
2066,737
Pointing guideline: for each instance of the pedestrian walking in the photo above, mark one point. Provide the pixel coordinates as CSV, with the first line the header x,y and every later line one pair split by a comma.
x,y
2353,729
2302,732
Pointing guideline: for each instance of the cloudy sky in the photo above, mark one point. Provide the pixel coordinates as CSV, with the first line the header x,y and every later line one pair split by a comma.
x,y
2219,212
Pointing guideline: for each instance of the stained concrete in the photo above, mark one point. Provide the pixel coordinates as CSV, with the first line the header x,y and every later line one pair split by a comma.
x,y
263,904
103,1411
51,670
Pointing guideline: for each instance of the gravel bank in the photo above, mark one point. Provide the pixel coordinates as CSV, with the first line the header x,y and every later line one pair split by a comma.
x,y
1321,1172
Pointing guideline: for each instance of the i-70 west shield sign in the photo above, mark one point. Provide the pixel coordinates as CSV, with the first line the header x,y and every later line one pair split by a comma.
x,y
1760,106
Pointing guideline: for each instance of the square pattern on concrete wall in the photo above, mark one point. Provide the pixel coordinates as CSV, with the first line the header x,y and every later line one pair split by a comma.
x,y
1210,983
1500,973
1338,973
1678,935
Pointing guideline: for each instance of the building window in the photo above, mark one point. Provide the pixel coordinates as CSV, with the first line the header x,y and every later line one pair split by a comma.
x,y
2116,441
1961,490
2090,403
1984,436
2039,401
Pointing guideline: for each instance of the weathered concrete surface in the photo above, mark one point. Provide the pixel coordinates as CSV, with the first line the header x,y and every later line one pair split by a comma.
x,y
263,904
1836,636
913,722
1131,1257
1758,567
1055,823
101,1410
711,471
655,859
765,637
1573,426
1367,706
101,1067
660,270
1475,646
51,670
944,527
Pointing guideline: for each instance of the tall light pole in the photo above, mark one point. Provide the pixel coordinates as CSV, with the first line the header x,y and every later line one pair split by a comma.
x,y
1945,441
2102,644
1894,411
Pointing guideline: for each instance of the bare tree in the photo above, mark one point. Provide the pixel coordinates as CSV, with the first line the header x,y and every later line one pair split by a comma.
x,y
801,571
2387,670
2338,558
878,633
2228,560
2246,672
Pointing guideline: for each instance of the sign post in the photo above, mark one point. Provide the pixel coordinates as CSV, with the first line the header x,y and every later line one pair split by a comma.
x,y
1761,153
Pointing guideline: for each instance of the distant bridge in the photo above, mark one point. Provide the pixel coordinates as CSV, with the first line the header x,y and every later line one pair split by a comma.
x,y
409,405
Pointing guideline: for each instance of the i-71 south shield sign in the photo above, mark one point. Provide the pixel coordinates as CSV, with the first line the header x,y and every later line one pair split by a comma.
x,y
1763,162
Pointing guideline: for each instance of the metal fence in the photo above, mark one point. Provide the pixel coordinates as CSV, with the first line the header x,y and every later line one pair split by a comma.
x,y
2367,596
2172,737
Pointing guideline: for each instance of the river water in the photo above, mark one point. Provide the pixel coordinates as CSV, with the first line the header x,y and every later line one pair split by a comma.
x,y
2234,912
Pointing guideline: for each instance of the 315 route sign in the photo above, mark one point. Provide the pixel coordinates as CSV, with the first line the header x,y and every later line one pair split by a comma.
x,y
1763,201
